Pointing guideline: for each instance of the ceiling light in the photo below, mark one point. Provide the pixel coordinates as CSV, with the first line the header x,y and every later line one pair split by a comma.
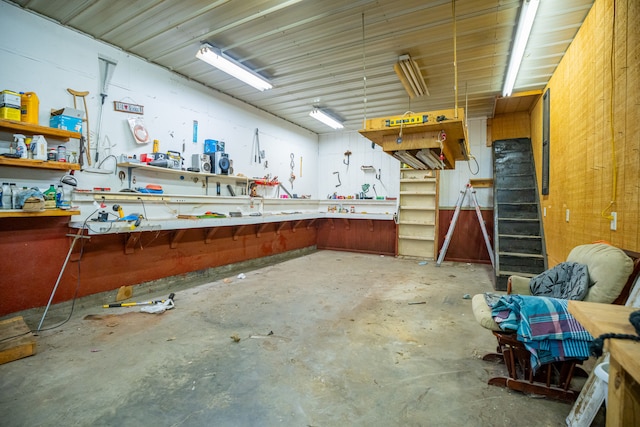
x,y
325,118
527,16
215,57
410,76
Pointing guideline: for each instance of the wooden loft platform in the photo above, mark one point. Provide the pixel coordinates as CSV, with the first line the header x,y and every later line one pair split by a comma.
x,y
417,138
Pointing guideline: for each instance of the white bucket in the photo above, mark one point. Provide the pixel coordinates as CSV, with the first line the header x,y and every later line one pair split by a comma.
x,y
602,372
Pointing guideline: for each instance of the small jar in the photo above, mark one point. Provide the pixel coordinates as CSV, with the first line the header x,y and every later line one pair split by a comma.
x,y
62,153
52,155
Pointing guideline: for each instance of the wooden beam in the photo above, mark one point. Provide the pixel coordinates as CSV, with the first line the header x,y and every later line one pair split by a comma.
x,y
280,227
210,234
260,228
175,238
237,230
131,240
296,224
16,340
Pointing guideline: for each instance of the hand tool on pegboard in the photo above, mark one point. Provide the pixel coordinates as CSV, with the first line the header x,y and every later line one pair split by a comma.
x,y
83,95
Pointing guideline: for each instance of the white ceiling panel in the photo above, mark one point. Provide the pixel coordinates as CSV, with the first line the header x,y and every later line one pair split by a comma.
x,y
318,52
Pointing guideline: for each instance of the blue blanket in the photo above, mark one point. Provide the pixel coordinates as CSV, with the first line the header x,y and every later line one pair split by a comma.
x,y
544,326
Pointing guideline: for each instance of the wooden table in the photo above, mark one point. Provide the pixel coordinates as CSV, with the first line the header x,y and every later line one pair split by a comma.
x,y
624,365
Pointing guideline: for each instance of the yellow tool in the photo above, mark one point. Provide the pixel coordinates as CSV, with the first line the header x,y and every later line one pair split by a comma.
x,y
83,94
118,209
133,304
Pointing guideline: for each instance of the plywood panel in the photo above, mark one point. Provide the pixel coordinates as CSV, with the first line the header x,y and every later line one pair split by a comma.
x,y
467,242
510,125
595,93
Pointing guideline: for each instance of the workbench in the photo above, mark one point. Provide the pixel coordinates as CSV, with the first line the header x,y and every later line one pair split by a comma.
x,y
624,365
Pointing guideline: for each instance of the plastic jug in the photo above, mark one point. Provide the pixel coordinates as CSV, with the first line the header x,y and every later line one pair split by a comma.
x,y
38,147
29,107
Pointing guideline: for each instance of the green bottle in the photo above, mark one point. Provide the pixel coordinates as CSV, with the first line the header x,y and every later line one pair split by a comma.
x,y
50,197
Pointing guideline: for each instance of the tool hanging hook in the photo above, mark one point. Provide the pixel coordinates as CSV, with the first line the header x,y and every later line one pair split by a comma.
x,y
348,156
339,182
379,174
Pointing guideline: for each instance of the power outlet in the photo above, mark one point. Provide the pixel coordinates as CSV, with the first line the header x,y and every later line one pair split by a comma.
x,y
544,211
566,215
614,221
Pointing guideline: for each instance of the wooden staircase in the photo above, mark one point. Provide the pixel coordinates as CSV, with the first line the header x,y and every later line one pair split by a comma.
x,y
518,234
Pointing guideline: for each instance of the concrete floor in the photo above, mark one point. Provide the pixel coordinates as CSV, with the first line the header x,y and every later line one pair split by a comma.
x,y
326,339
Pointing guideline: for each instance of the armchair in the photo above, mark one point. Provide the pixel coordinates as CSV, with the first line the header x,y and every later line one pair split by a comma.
x,y
609,270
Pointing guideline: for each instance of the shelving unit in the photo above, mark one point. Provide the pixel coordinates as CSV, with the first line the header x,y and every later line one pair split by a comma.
x,y
38,164
418,213
28,129
12,126
226,179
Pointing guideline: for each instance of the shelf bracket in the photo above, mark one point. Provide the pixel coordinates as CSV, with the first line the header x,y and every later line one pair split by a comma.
x,y
130,243
296,224
237,230
370,222
331,224
347,224
310,223
176,237
260,228
280,227
211,232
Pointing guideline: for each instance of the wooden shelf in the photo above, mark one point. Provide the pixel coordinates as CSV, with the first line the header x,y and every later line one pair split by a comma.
x,y
18,213
38,164
13,126
170,171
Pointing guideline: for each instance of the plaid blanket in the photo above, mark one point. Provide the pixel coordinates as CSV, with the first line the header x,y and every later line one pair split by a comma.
x,y
544,326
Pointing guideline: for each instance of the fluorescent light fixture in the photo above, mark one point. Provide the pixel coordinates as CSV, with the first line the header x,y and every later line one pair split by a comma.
x,y
325,118
527,16
215,57
410,76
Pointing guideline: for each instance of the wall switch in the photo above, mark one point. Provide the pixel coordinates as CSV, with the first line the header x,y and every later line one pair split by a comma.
x,y
566,215
614,221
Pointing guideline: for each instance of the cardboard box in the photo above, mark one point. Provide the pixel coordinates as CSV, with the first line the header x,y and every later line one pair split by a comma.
x,y
10,113
10,99
67,118
210,146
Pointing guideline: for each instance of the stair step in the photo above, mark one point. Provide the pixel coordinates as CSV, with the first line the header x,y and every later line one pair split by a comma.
x,y
515,273
521,255
518,219
519,236
517,204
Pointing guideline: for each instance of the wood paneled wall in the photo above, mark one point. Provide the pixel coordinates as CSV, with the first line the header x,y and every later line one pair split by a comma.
x,y
592,116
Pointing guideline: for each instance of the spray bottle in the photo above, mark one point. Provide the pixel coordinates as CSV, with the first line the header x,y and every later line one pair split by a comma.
x,y
21,147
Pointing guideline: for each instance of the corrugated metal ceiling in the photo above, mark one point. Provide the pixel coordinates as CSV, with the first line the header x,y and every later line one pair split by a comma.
x,y
317,52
